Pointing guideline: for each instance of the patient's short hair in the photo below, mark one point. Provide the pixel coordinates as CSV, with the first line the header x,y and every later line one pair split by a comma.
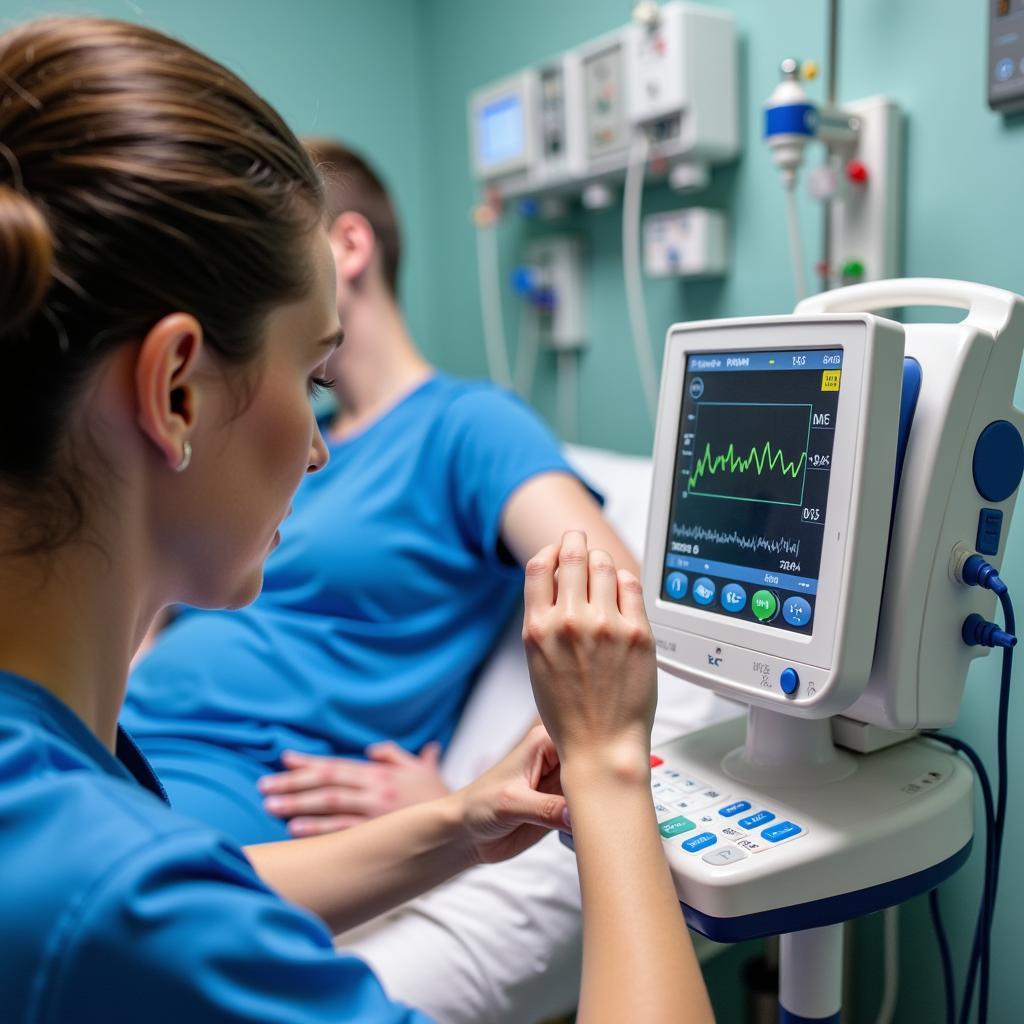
x,y
352,184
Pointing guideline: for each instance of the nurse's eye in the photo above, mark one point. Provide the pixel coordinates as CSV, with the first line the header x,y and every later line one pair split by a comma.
x,y
318,385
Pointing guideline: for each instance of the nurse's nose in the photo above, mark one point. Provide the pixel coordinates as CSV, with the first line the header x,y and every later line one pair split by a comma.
x,y
318,454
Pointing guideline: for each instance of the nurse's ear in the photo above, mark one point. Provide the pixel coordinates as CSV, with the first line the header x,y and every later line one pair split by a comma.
x,y
167,391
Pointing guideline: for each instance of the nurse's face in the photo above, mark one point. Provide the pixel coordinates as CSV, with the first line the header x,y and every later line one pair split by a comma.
x,y
246,467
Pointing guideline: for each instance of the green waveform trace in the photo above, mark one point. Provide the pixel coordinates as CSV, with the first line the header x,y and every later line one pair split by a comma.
x,y
763,459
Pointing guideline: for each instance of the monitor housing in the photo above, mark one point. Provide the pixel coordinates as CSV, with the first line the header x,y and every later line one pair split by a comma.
x,y
774,463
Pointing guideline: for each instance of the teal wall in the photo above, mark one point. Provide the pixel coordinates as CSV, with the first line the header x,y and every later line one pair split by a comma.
x,y
393,76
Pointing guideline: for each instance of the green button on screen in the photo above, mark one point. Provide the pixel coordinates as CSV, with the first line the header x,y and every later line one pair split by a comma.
x,y
764,605
675,827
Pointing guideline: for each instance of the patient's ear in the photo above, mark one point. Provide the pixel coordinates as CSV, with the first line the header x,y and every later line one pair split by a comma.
x,y
166,391
353,244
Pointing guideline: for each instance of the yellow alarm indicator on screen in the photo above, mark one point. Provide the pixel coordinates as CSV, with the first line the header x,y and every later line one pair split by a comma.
x,y
830,380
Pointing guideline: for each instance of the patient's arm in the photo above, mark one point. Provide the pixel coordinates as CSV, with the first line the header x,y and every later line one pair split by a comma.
x,y
541,510
326,794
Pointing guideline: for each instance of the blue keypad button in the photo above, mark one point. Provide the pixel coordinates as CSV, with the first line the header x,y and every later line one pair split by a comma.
x,y
789,681
675,585
701,842
761,818
734,598
782,830
796,611
733,809
704,591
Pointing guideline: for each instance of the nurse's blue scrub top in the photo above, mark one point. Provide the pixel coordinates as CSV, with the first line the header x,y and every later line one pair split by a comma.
x,y
116,909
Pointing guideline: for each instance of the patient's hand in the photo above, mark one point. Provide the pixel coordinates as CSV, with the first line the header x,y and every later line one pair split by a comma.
x,y
325,794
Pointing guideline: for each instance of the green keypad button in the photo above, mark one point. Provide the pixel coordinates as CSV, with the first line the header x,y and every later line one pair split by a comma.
x,y
675,827
764,604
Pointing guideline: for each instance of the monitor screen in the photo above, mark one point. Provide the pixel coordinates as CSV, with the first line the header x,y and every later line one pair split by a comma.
x,y
753,464
501,132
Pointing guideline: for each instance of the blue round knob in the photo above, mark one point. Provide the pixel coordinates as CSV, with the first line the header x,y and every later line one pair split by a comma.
x,y
998,461
789,681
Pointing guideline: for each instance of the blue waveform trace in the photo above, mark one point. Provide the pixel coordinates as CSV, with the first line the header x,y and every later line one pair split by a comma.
x,y
773,545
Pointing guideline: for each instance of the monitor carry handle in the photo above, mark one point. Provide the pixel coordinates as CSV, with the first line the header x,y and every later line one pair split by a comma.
x,y
988,309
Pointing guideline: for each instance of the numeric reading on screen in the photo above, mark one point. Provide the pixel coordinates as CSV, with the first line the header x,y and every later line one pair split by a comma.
x,y
753,464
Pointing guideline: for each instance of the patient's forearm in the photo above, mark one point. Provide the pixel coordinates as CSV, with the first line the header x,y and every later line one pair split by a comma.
x,y
348,877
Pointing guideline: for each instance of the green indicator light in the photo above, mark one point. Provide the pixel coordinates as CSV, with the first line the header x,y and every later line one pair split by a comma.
x,y
764,605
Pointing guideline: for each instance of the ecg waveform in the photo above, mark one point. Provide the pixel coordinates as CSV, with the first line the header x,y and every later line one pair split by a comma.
x,y
765,459
773,545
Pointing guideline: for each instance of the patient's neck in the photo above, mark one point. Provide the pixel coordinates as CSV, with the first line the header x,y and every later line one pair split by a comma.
x,y
376,366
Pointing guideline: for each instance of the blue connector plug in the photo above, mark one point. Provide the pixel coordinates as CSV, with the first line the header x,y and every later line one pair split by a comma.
x,y
977,631
976,572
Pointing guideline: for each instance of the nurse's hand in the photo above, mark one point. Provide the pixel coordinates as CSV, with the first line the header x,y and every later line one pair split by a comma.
x,y
514,804
591,655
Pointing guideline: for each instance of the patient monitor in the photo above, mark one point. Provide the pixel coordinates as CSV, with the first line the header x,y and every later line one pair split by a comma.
x,y
818,481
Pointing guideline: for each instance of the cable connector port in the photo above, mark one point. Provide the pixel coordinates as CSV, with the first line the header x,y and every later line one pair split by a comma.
x,y
977,631
973,571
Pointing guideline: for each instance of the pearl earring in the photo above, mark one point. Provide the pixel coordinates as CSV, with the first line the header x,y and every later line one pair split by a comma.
x,y
186,457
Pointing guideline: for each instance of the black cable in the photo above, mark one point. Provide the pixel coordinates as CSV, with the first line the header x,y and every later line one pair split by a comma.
x,y
948,982
979,946
976,572
1002,729
1002,760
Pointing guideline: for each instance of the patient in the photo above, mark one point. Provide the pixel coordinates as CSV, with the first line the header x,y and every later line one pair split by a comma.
x,y
395,575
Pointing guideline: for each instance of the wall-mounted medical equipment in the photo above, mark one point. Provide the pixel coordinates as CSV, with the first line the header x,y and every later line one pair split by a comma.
x,y
860,181
823,484
656,98
504,118
551,281
690,243
552,316
1006,55
569,122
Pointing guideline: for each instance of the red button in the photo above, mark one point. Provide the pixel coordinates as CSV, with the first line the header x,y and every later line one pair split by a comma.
x,y
856,172
655,761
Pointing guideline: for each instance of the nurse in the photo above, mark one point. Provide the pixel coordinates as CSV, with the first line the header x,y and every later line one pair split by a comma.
x,y
166,303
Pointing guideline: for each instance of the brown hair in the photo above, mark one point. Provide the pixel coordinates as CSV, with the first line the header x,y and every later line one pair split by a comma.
x,y
138,177
352,184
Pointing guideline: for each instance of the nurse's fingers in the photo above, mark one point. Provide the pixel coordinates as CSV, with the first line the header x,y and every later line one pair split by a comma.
x,y
319,825
604,584
539,588
572,570
631,598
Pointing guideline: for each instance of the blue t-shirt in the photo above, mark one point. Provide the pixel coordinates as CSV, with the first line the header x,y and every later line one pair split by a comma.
x,y
116,909
383,599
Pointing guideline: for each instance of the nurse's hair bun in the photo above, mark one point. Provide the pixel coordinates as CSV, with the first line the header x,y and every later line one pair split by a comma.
x,y
26,259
